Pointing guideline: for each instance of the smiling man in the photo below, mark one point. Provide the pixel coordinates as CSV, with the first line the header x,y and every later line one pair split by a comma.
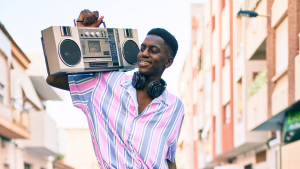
x,y
133,120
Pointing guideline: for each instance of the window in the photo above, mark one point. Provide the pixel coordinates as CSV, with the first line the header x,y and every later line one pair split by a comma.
x,y
226,54
3,79
200,61
248,166
227,113
1,98
213,23
27,166
240,100
6,166
281,43
239,33
261,156
254,75
213,72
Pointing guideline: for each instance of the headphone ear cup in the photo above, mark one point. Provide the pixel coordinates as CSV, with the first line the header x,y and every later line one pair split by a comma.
x,y
154,89
138,80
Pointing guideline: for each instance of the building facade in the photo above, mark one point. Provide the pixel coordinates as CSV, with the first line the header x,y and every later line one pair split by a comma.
x,y
29,136
241,84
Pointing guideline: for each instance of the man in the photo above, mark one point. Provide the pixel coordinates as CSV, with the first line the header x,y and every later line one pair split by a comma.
x,y
134,122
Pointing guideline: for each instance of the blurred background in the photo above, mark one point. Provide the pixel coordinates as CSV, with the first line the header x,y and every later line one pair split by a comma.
x,y
236,70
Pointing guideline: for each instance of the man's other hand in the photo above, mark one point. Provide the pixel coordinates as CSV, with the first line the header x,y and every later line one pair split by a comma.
x,y
91,19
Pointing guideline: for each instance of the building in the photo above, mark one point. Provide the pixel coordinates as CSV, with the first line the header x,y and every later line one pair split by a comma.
x,y
29,137
245,85
80,153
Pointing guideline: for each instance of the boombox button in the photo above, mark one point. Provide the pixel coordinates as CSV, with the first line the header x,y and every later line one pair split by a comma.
x,y
97,34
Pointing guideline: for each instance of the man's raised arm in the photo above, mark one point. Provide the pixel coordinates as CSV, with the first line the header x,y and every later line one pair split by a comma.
x,y
60,82
90,20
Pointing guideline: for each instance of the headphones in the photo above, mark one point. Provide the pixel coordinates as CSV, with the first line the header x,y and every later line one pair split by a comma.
x,y
154,89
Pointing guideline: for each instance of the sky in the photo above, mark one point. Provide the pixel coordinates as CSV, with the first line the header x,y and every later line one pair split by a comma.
x,y
24,20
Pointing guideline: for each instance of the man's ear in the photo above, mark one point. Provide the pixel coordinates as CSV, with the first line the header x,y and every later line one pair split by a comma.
x,y
169,61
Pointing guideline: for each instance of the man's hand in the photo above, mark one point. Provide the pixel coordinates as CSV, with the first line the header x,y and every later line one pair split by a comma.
x,y
90,18
171,165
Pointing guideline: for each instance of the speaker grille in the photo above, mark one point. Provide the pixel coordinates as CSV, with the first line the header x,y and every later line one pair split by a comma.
x,y
130,51
69,52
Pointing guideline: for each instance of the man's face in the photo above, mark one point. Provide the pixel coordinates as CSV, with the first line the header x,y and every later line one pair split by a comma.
x,y
154,56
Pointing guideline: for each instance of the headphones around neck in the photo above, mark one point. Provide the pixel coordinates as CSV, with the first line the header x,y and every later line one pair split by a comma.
x,y
154,89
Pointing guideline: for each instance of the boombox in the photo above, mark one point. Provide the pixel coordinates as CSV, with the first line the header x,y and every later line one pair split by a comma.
x,y
71,50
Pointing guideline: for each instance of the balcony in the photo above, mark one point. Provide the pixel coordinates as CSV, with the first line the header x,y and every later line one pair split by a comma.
x,y
225,26
226,84
43,139
279,10
239,63
9,128
256,32
257,111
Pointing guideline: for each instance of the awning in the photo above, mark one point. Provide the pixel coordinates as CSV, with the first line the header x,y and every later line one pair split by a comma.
x,y
45,91
276,122
27,85
206,129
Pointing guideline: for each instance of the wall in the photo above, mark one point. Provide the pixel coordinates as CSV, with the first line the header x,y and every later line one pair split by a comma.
x,y
80,152
290,155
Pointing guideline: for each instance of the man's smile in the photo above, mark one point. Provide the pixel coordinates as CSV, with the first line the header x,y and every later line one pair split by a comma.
x,y
144,63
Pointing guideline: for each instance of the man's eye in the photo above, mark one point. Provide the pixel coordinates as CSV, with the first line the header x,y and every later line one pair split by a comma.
x,y
154,51
142,49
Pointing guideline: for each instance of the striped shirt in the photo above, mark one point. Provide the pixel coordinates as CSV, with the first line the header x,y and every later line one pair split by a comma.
x,y
121,137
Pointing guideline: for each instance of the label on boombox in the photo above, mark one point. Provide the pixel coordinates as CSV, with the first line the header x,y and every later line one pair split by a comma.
x,y
70,50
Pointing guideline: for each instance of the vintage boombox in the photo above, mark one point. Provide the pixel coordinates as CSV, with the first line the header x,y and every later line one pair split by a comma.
x,y
71,50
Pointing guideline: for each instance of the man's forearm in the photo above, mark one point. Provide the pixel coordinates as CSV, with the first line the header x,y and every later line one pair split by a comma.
x,y
60,82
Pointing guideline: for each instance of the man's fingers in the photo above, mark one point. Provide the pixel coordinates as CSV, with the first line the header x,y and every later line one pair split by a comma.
x,y
99,21
96,13
90,18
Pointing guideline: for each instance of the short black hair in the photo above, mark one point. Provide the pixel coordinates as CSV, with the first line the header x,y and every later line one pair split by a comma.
x,y
169,39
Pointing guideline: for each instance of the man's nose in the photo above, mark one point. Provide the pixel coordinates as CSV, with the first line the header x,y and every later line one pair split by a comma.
x,y
145,53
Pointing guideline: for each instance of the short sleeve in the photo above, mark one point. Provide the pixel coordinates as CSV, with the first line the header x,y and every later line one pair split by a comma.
x,y
172,147
81,88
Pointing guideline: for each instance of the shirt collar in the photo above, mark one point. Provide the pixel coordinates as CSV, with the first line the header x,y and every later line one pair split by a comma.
x,y
163,97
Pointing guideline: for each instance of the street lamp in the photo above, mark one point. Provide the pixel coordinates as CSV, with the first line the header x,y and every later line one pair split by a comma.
x,y
245,13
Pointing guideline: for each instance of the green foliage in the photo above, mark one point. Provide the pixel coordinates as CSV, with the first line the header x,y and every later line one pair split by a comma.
x,y
60,158
259,81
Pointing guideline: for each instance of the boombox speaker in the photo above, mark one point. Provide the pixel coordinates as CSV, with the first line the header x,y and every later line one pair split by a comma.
x,y
70,50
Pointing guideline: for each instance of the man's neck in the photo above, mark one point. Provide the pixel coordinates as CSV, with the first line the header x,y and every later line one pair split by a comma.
x,y
149,80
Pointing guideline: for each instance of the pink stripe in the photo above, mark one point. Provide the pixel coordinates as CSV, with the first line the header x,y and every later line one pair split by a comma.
x,y
102,133
96,148
114,107
131,116
84,85
155,139
121,154
141,122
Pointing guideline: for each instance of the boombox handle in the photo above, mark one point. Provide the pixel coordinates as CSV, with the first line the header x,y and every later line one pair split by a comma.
x,y
82,20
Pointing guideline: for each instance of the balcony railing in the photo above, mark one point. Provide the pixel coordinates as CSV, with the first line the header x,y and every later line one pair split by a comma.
x,y
20,115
